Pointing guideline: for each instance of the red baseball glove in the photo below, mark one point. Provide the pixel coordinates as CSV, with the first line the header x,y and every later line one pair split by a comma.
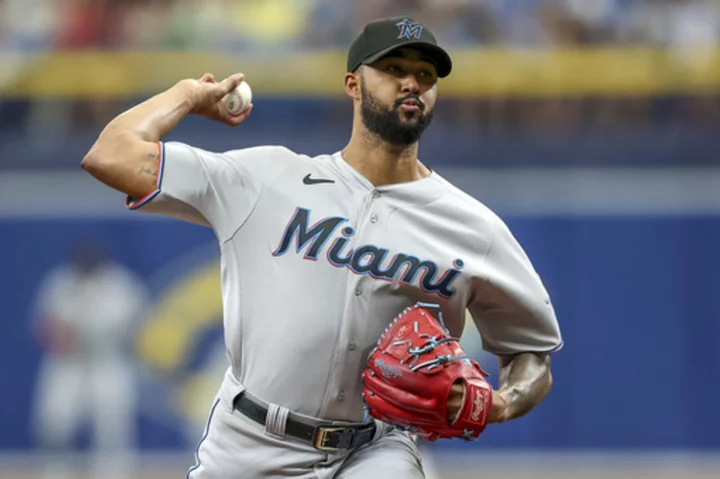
x,y
409,375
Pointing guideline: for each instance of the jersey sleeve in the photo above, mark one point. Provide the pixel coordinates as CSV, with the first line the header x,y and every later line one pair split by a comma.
x,y
212,189
511,307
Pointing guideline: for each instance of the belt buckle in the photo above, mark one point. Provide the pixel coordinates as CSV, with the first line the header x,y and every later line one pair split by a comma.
x,y
321,437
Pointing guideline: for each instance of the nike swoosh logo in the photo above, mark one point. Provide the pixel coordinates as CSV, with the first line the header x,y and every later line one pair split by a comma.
x,y
315,181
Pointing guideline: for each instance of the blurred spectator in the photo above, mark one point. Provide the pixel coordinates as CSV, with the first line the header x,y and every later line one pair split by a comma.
x,y
271,22
196,25
518,22
141,25
598,18
88,24
28,25
86,312
677,24
465,23
331,23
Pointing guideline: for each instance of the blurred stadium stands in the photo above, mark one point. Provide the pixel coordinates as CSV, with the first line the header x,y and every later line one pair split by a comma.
x,y
591,126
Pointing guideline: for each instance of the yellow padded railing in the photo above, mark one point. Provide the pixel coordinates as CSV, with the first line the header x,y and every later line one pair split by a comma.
x,y
506,73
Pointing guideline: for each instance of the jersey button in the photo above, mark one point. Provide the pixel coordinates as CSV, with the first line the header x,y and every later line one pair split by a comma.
x,y
373,219
352,345
376,194
358,291
341,396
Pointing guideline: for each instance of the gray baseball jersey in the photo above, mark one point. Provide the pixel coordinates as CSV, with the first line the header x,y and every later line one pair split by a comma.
x,y
316,261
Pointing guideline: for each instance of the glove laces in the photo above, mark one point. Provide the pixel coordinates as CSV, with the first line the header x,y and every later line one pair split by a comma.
x,y
429,345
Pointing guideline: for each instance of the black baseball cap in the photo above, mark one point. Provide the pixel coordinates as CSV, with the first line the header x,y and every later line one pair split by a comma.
x,y
381,37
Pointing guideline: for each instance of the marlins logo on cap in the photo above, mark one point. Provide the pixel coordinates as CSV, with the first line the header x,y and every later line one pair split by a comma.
x,y
409,29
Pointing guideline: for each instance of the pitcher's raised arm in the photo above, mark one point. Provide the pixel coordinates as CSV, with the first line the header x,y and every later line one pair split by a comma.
x,y
126,155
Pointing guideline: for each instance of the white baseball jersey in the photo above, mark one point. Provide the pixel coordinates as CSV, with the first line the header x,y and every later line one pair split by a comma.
x,y
316,261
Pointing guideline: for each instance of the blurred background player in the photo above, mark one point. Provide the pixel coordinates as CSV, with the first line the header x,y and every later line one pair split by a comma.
x,y
87,311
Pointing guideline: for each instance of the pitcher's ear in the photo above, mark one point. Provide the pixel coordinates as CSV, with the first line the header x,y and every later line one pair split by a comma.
x,y
352,85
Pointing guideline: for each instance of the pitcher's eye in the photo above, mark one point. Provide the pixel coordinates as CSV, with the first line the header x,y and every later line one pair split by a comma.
x,y
427,74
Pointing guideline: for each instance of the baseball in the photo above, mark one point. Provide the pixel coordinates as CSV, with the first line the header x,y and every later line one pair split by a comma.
x,y
239,99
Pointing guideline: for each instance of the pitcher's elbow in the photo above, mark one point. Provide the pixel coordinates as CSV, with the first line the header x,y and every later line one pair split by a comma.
x,y
93,161
87,162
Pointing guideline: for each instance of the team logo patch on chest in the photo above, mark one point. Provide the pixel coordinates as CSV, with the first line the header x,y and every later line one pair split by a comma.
x,y
330,236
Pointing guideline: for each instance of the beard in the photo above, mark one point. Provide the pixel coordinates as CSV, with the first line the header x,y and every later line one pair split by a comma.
x,y
387,123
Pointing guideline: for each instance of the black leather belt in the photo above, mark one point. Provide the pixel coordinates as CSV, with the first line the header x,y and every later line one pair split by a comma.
x,y
325,437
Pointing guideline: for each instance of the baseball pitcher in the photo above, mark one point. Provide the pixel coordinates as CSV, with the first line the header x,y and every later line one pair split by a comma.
x,y
345,276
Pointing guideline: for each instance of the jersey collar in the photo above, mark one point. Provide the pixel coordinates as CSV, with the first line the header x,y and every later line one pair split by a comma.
x,y
422,191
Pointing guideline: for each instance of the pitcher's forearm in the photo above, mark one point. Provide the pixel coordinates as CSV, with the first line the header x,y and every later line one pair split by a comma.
x,y
150,120
525,380
155,117
125,155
